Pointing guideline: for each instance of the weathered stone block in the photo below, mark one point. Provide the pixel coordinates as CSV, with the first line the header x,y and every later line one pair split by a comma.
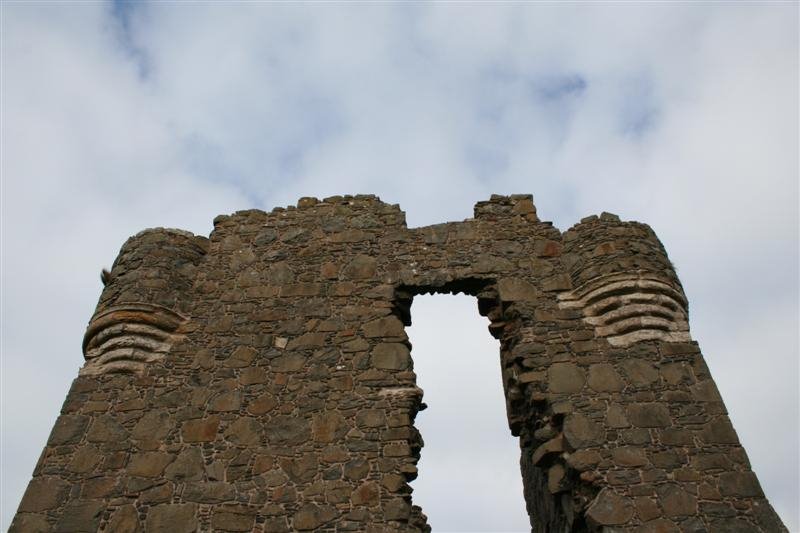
x,y
30,523
516,290
649,415
69,429
200,430
582,432
125,520
80,517
287,430
676,501
188,466
609,509
43,494
172,518
149,464
391,356
312,516
106,429
366,494
603,378
740,484
388,326
566,378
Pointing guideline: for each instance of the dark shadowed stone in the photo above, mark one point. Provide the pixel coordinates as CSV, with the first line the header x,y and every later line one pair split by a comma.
x,y
172,518
603,378
188,466
649,415
288,430
361,267
80,517
581,432
742,484
609,509
388,326
391,356
29,523
565,377
547,450
44,493
200,430
311,516
245,431
125,520
106,429
555,478
516,290
68,429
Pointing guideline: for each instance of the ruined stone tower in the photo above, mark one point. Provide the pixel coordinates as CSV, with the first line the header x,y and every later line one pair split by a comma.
x,y
261,379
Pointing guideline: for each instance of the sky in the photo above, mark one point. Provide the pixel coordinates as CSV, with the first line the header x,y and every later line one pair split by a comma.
x,y
118,116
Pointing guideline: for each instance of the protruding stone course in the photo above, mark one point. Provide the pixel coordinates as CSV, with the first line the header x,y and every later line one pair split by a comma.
x,y
262,379
128,337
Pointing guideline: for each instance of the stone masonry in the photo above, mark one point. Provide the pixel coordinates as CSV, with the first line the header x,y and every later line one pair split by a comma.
x,y
261,379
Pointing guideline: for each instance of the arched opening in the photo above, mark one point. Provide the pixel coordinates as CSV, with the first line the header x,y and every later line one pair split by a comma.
x,y
469,474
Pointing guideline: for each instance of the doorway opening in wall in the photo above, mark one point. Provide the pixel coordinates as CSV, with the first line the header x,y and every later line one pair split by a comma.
x,y
469,474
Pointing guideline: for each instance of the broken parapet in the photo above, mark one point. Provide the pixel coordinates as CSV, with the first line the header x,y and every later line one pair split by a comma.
x,y
262,379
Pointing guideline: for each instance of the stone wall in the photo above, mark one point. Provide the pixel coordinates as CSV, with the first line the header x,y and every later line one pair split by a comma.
x,y
262,380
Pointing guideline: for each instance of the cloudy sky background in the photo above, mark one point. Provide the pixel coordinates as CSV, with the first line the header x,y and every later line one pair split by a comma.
x,y
118,117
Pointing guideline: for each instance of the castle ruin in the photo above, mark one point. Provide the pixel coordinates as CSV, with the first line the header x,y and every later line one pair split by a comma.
x,y
261,379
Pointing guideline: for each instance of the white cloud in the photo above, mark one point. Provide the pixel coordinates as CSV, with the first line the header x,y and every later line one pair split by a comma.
x,y
681,116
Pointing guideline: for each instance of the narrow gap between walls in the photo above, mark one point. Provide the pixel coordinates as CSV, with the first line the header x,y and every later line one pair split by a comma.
x,y
469,474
